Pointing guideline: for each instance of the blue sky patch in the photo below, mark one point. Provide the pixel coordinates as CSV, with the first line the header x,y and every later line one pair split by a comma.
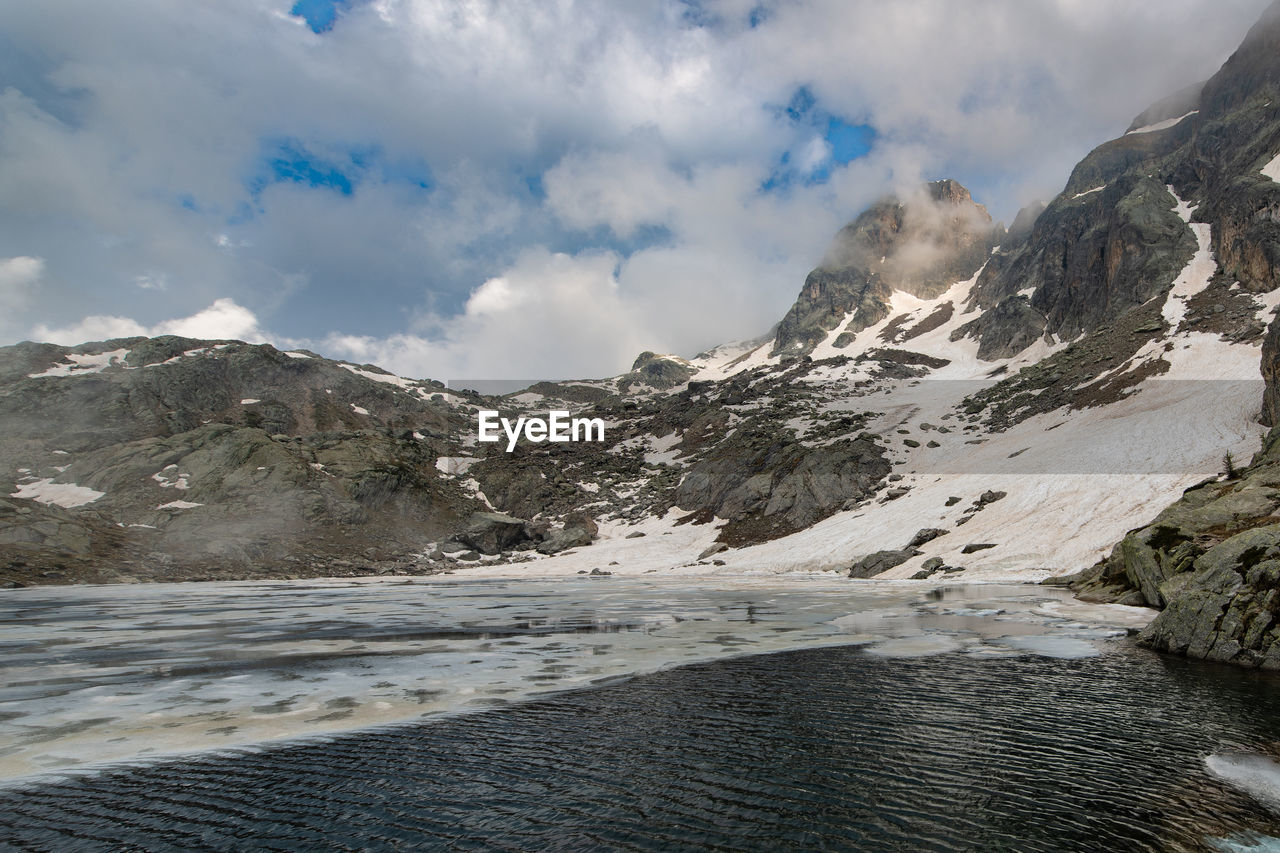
x,y
604,238
290,161
845,141
320,15
848,141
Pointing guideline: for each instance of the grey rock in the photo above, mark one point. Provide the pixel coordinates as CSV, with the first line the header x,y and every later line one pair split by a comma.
x,y
493,532
853,280
880,561
660,371
926,534
767,488
564,539
712,550
974,547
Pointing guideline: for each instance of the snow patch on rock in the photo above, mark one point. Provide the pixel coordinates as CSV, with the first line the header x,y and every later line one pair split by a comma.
x,y
65,495
77,364
177,505
1161,125
1196,274
1272,169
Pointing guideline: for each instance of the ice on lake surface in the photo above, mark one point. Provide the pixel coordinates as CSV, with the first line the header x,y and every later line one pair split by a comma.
x,y
100,675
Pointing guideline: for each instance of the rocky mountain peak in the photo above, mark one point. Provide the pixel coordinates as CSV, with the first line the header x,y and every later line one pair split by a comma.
x,y
658,370
920,243
949,191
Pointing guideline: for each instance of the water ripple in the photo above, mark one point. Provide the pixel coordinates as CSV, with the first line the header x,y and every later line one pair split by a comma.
x,y
825,749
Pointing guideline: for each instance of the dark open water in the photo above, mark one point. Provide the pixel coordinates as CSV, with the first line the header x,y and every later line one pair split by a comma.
x,y
823,749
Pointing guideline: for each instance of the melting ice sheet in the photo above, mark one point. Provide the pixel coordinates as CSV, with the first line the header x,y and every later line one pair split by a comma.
x,y
1255,775
98,675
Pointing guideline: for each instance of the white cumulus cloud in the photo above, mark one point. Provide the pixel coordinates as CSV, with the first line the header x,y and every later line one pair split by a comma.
x,y
550,315
224,319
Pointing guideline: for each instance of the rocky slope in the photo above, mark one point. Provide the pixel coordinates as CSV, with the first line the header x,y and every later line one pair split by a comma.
x,y
1211,562
946,399
170,457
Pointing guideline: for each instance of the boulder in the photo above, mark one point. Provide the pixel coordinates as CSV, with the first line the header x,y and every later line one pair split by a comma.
x,y
926,534
974,547
927,568
880,561
494,532
564,539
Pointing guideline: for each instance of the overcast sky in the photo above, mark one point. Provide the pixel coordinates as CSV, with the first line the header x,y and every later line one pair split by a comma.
x,y
506,189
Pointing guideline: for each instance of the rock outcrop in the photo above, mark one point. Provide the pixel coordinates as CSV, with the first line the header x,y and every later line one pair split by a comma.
x,y
920,244
660,371
1211,562
171,458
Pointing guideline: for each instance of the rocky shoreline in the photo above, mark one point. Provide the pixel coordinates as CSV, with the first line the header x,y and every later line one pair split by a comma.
x,y
1210,563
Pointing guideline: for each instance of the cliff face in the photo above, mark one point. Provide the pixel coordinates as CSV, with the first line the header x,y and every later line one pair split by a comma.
x,y
1211,561
1091,256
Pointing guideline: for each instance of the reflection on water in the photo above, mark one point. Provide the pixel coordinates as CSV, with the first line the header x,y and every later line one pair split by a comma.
x,y
120,673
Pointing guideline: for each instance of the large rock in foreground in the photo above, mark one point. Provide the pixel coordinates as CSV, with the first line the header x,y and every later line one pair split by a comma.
x,y
1212,563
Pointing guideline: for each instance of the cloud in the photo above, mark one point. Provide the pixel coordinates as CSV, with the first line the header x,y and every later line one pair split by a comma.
x,y
95,328
224,319
18,279
551,315
369,179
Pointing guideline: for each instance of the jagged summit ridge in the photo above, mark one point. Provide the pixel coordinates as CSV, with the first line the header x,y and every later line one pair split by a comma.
x,y
920,244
